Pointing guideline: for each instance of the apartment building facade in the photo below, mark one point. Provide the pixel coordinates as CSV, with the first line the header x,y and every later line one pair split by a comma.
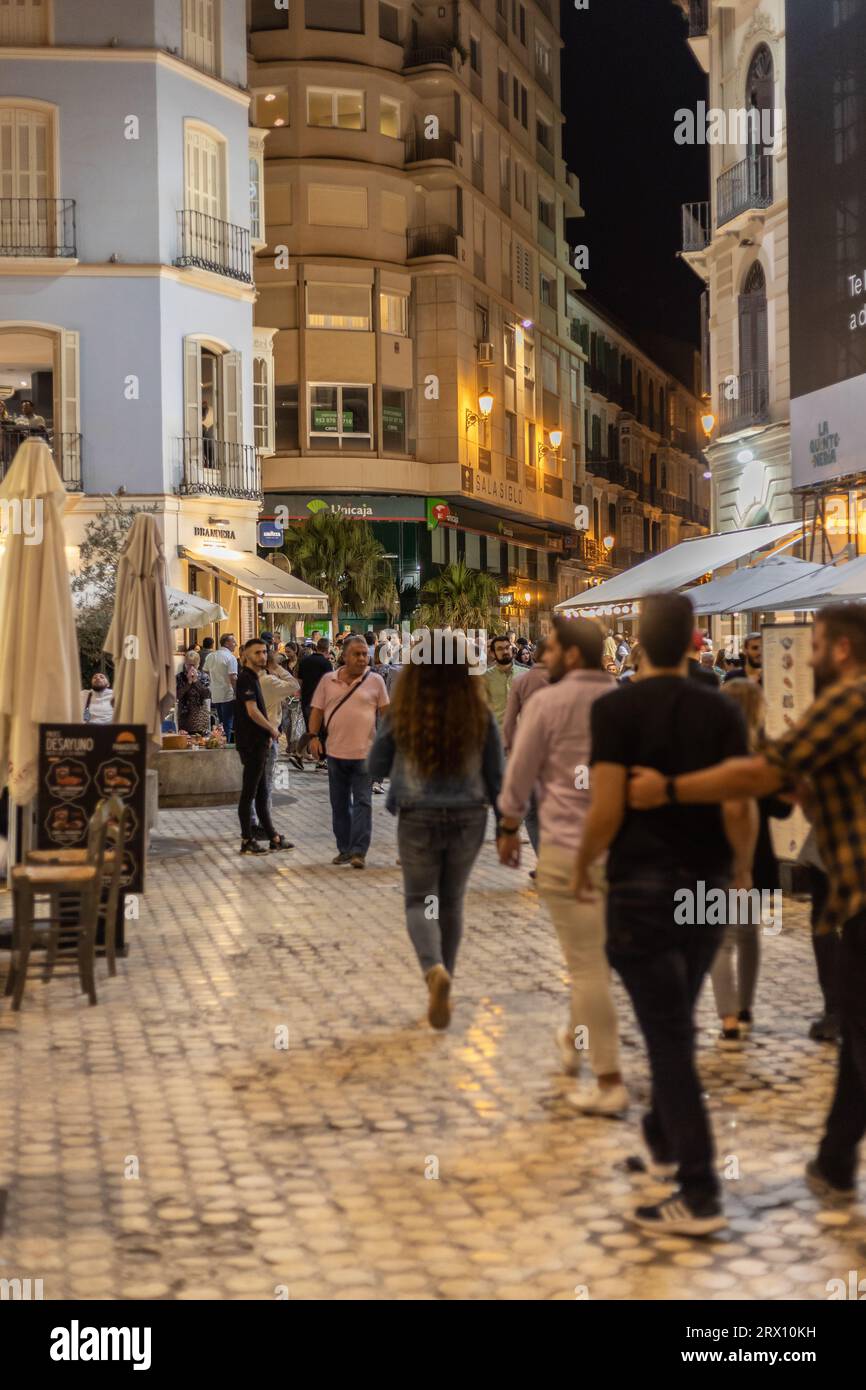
x,y
128,195
417,271
736,241
645,482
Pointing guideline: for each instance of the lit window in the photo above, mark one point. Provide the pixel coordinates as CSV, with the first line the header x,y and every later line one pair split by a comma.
x,y
394,313
339,306
389,117
339,417
334,107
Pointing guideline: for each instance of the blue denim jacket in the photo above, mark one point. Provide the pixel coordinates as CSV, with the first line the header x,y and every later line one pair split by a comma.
x,y
478,785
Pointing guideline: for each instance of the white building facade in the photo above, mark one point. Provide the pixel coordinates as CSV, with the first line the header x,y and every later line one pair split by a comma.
x,y
736,241
130,203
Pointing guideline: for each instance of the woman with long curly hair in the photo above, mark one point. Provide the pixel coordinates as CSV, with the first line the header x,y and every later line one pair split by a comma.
x,y
440,745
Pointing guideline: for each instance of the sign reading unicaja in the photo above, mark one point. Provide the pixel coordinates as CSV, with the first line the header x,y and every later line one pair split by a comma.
x,y
341,508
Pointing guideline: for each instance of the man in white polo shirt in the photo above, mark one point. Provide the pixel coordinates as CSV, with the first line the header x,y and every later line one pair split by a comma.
x,y
222,667
344,708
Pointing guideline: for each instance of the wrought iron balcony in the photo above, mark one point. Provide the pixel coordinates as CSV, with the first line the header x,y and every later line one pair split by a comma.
x,y
432,55
37,227
419,148
431,241
66,449
217,468
696,226
744,187
699,18
210,244
750,404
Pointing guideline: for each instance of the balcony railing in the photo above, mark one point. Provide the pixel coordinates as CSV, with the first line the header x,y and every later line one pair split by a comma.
x,y
217,468
210,244
699,16
432,55
744,187
431,241
37,227
750,404
419,148
66,449
696,226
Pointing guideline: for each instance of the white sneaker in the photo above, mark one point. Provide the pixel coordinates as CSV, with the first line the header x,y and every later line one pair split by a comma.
x,y
609,1100
567,1052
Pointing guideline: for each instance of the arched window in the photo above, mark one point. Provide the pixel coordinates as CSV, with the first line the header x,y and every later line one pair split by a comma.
x,y
760,104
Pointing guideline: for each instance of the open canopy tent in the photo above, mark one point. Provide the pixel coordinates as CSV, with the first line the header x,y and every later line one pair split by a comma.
x,y
843,583
744,589
681,565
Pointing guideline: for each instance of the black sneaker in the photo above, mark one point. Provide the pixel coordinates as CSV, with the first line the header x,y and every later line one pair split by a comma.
x,y
253,847
825,1189
825,1029
730,1039
744,1019
341,859
280,842
678,1216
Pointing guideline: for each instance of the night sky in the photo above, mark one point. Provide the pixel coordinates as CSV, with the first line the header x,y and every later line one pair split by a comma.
x,y
626,68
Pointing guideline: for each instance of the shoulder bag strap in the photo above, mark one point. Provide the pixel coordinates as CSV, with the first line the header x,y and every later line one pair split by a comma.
x,y
346,697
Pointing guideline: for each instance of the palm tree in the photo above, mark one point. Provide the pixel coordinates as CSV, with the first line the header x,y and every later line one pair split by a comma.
x,y
460,597
340,555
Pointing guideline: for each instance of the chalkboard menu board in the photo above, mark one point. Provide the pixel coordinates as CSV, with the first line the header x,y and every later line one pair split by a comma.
x,y
78,765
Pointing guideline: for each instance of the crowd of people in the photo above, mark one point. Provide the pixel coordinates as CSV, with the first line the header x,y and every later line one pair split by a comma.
x,y
642,776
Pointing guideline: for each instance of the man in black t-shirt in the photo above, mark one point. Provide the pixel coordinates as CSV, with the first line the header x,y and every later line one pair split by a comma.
x,y
662,865
253,734
311,669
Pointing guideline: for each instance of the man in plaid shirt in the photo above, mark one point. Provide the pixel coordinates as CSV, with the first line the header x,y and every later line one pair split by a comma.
x,y
827,751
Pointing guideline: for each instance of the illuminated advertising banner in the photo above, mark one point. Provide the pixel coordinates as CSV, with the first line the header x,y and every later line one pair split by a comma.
x,y
826,114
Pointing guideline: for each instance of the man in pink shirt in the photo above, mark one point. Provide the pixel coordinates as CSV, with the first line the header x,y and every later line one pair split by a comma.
x,y
344,710
551,753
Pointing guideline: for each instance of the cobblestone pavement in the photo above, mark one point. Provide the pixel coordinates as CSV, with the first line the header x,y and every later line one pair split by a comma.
x,y
311,1171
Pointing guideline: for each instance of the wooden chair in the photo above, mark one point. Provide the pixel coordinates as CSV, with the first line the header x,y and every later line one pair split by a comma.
x,y
115,842
83,880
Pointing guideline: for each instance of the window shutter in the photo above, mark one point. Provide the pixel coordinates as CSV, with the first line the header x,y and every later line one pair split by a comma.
x,y
233,410
69,383
192,425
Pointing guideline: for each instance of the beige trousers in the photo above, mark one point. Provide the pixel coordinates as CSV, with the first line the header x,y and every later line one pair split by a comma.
x,y
581,931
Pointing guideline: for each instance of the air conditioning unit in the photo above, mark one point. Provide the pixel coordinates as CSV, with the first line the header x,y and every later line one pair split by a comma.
x,y
485,353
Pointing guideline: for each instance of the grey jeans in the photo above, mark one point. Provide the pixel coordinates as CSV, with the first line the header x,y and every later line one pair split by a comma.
x,y
437,851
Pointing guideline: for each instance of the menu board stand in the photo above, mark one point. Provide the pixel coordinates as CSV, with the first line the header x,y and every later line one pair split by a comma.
x,y
79,765
789,690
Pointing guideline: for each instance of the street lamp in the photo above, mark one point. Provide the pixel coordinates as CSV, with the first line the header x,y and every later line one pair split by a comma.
x,y
485,406
552,447
609,542
709,423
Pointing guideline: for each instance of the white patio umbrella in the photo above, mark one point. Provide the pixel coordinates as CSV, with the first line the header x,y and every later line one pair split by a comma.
x,y
139,639
192,610
36,613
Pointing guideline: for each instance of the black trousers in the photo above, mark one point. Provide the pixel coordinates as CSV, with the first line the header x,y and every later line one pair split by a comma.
x,y
662,965
825,946
255,789
846,1122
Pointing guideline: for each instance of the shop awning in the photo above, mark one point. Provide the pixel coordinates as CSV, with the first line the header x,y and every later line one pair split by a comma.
x,y
276,591
681,565
842,583
741,591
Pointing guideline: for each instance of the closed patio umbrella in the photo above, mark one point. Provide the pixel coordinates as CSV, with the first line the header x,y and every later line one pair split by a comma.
x,y
139,639
40,680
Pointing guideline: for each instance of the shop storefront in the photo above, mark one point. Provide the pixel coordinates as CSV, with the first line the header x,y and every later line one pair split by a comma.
x,y
421,535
